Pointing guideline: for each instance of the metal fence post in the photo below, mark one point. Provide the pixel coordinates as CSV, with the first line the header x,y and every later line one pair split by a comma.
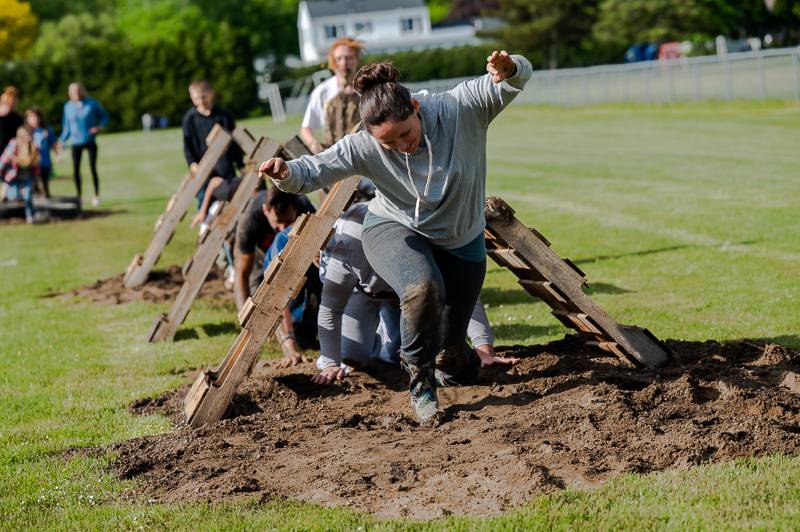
x,y
796,58
762,74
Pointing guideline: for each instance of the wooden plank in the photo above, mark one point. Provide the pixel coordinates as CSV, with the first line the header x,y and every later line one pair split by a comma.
x,y
294,148
210,396
639,347
544,290
205,254
218,141
508,258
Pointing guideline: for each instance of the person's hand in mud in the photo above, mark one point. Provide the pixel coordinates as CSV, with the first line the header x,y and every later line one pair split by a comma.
x,y
489,358
329,375
275,168
291,356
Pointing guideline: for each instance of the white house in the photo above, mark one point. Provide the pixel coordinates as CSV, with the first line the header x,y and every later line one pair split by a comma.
x,y
383,26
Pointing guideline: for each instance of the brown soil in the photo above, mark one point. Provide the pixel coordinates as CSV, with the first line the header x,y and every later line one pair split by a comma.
x,y
161,287
564,416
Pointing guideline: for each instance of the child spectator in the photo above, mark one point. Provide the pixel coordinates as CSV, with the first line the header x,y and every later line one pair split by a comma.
x,y
19,167
45,140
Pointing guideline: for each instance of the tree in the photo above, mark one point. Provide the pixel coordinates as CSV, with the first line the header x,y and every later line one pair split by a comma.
x,y
147,21
631,21
63,40
18,26
550,30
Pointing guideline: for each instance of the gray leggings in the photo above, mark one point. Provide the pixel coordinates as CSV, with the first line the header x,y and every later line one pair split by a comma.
x,y
437,290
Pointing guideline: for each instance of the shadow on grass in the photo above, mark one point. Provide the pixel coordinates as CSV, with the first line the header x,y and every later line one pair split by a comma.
x,y
519,332
606,288
217,329
510,296
641,253
186,334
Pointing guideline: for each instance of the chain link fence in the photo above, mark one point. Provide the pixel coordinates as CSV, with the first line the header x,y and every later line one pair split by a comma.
x,y
756,75
745,76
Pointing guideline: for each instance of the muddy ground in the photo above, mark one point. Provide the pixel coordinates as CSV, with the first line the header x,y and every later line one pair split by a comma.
x,y
565,416
161,287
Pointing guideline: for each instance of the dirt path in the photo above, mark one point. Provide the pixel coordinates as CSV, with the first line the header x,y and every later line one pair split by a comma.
x,y
564,416
161,287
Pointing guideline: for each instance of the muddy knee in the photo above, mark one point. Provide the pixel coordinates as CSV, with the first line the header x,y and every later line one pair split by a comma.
x,y
422,305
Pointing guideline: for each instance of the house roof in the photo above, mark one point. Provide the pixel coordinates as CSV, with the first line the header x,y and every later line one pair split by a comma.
x,y
327,8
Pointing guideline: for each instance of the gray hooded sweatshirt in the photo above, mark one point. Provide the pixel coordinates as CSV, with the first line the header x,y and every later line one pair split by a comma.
x,y
439,190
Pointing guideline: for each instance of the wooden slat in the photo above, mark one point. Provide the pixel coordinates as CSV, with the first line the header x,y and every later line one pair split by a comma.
x,y
206,253
636,345
218,141
213,390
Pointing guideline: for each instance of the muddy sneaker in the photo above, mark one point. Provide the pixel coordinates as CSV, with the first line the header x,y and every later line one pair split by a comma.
x,y
457,365
422,388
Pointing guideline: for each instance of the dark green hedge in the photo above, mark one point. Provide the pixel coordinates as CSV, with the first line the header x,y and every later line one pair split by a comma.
x,y
131,80
424,65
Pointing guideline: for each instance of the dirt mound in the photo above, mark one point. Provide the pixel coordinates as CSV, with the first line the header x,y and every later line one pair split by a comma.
x,y
565,416
161,287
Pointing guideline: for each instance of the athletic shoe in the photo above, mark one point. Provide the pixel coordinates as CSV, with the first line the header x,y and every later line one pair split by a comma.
x,y
96,201
422,389
230,277
457,365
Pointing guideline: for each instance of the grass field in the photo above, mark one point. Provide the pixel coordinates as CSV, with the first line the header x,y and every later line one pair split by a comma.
x,y
684,218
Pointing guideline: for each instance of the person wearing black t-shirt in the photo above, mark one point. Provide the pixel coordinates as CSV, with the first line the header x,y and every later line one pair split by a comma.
x,y
197,124
10,120
254,235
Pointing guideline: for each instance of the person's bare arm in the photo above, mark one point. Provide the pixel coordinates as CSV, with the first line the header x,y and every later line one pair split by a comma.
x,y
307,134
243,264
291,352
213,185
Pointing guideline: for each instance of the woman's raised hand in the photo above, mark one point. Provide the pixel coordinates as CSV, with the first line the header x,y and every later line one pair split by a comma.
x,y
275,168
500,66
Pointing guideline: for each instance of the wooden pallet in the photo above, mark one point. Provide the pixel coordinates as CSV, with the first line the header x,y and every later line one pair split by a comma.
x,y
559,283
139,268
199,265
212,392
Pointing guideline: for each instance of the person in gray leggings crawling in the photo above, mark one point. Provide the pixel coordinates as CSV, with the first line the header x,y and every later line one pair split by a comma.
x,y
359,315
423,233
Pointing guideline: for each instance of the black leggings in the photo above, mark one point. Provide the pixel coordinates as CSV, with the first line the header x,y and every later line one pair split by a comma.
x,y
77,154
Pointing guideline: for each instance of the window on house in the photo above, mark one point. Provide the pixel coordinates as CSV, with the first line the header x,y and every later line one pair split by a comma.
x,y
363,27
334,31
411,24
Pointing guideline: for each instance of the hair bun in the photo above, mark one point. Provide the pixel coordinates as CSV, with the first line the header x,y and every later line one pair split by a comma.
x,y
375,74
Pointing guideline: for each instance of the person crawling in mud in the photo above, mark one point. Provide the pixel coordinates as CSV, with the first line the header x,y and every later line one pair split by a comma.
x,y
359,314
267,213
423,233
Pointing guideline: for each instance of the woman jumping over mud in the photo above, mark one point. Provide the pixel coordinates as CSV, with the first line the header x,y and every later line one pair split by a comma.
x,y
423,233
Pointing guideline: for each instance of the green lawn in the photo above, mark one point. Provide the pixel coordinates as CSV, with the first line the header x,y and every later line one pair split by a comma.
x,y
684,218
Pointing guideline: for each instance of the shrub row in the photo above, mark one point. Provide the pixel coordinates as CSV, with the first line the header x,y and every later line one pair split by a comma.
x,y
131,80
422,65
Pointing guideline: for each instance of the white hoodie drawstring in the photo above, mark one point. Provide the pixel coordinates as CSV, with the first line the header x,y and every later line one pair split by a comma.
x,y
427,181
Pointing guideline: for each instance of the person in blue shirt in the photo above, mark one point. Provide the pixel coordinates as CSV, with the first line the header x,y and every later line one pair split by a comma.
x,y
298,329
45,140
84,117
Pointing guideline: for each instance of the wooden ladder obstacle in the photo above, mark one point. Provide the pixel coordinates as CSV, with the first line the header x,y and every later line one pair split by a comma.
x,y
196,269
559,283
212,392
139,268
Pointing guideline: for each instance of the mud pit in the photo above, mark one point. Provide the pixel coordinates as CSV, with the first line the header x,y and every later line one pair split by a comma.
x,y
161,287
565,416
